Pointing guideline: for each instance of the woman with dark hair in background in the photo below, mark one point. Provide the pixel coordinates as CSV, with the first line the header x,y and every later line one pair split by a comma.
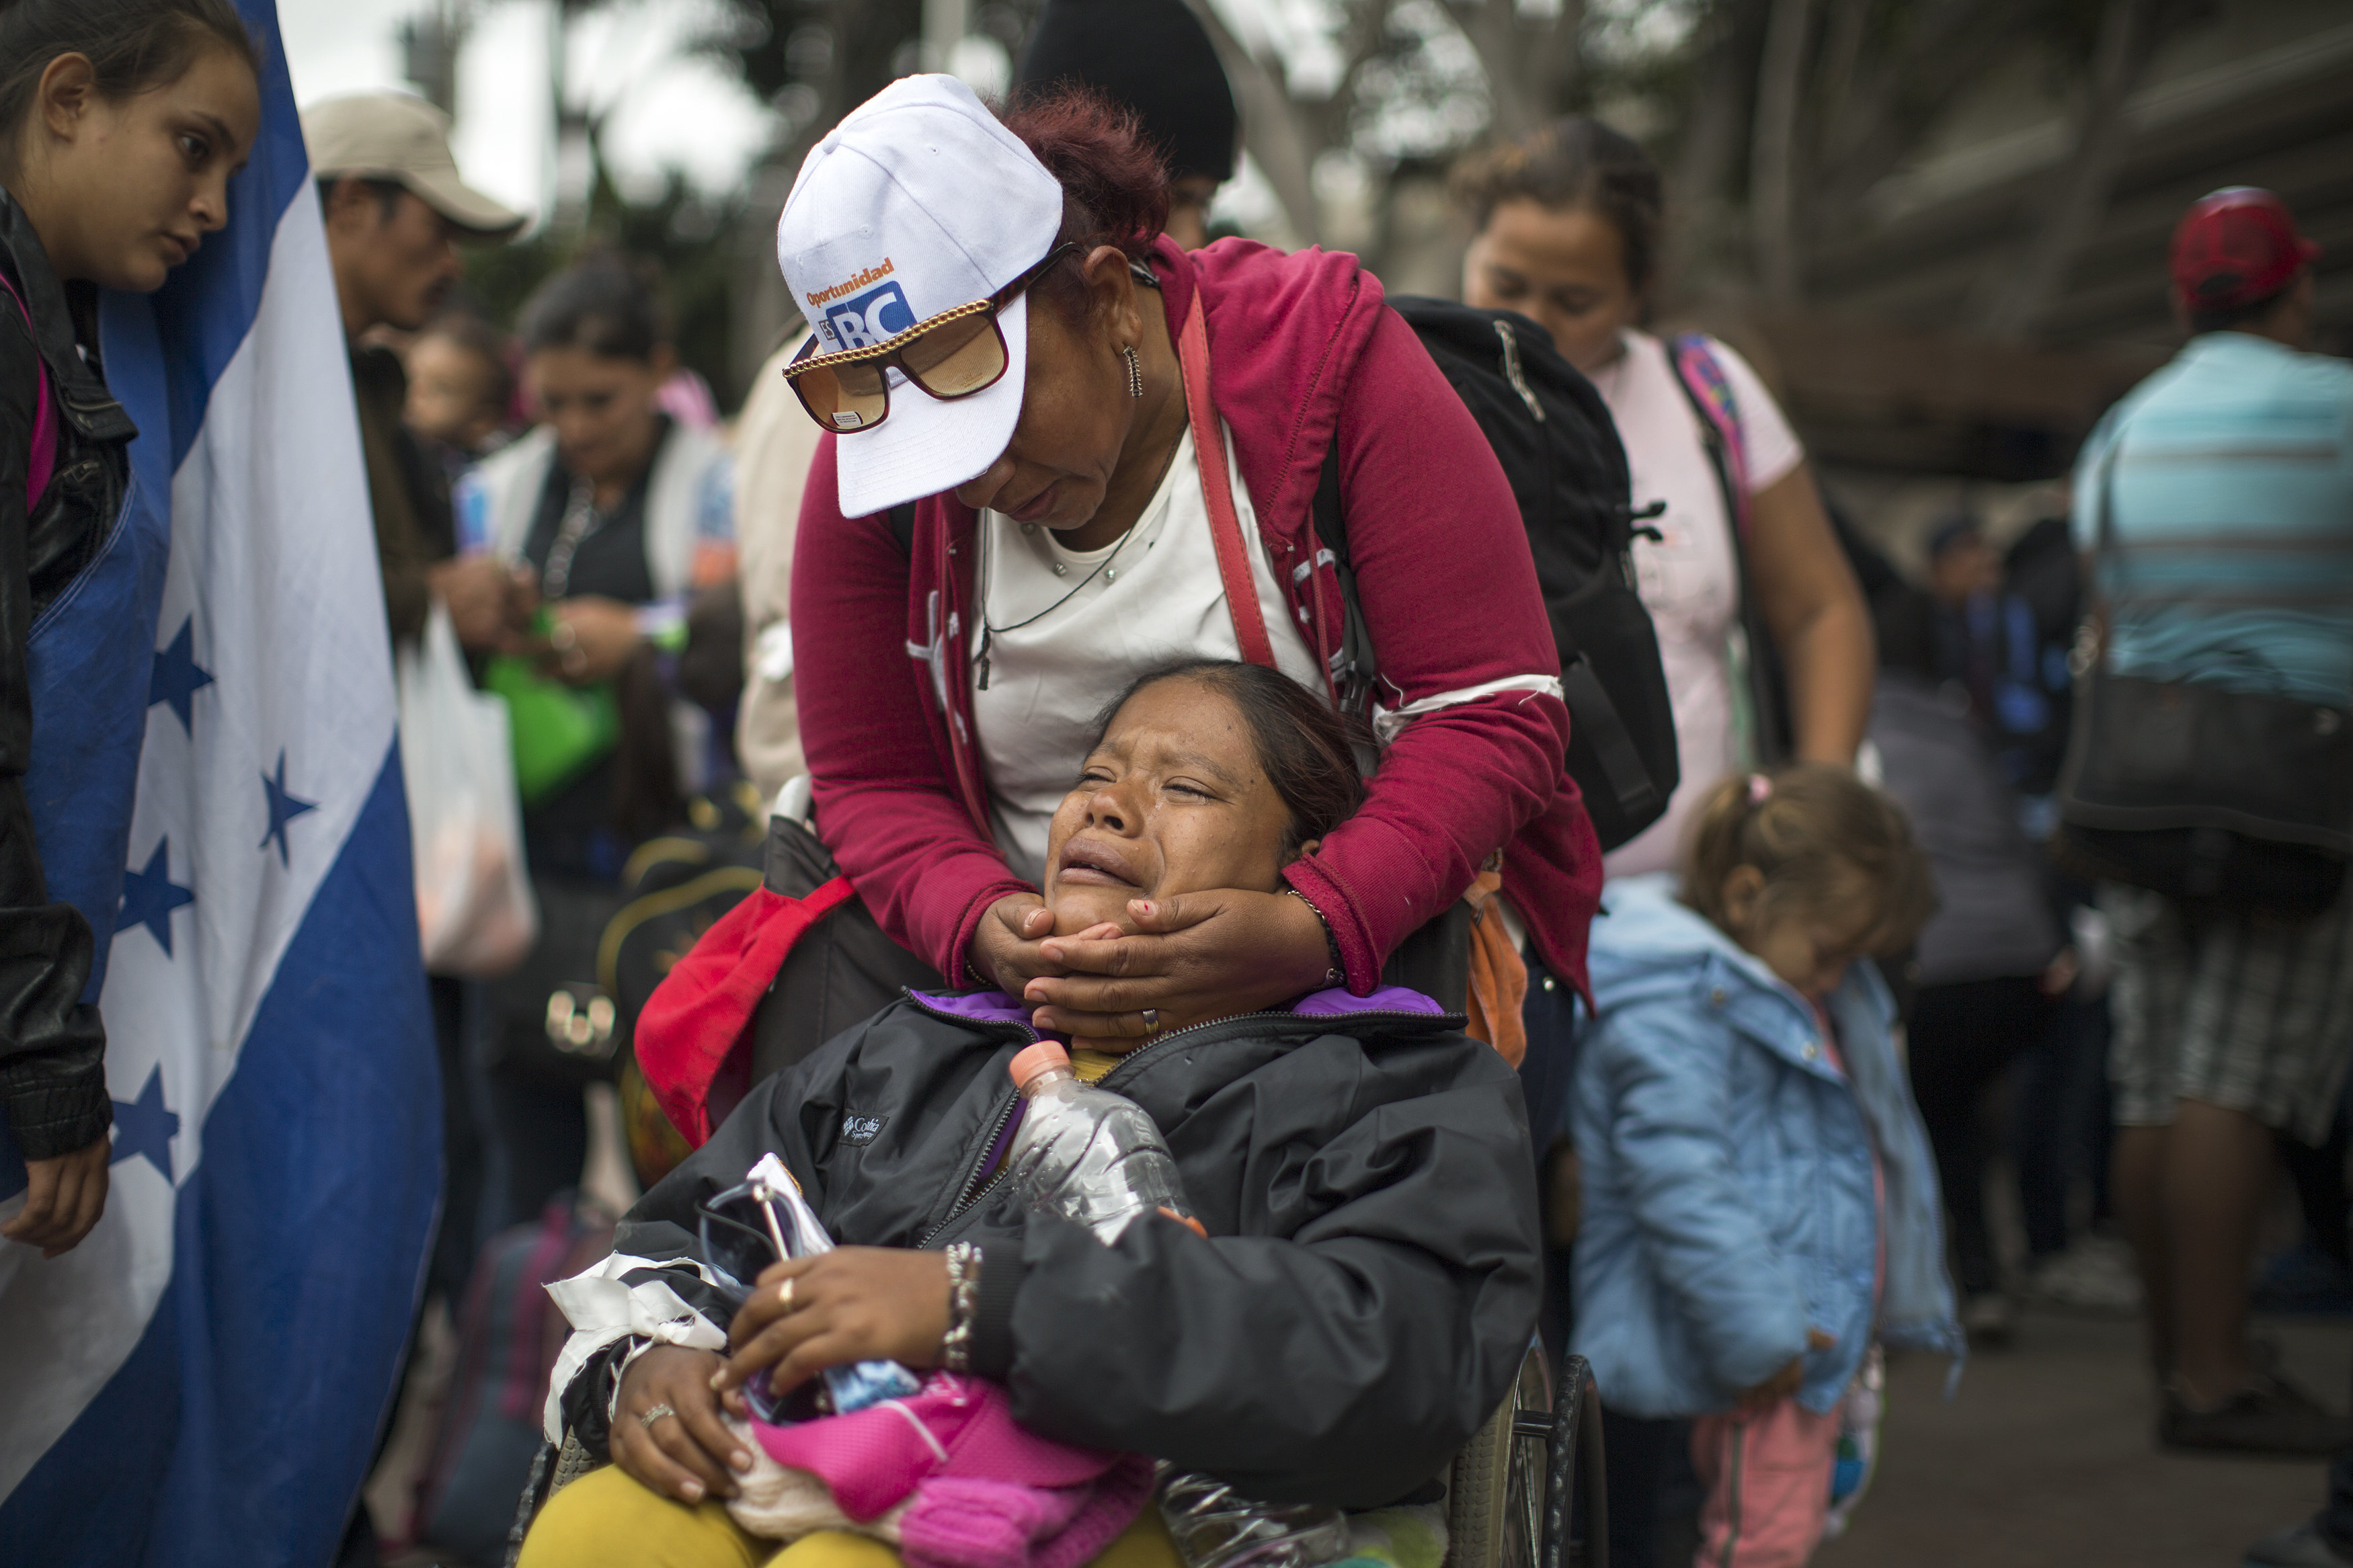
x,y
615,514
1569,230
1989,964
618,511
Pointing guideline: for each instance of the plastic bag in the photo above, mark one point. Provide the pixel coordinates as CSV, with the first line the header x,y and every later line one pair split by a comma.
x,y
857,1384
1861,1411
475,914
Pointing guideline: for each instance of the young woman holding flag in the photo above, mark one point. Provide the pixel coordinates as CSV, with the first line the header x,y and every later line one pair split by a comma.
x,y
120,123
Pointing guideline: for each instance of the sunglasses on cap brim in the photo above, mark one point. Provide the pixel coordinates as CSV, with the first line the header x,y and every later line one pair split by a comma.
x,y
956,353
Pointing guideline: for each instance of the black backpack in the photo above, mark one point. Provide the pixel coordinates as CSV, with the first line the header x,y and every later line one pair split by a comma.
x,y
1559,449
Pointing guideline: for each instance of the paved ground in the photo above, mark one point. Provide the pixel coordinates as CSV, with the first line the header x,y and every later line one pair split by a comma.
x,y
2045,1461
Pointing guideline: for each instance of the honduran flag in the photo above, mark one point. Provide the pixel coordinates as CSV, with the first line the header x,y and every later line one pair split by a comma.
x,y
216,784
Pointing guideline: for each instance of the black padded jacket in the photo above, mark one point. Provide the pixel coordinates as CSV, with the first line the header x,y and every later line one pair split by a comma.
x,y
1367,1293
52,1045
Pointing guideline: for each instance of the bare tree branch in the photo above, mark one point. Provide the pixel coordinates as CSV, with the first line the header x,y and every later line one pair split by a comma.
x,y
1773,149
1715,124
1841,59
2016,302
1899,95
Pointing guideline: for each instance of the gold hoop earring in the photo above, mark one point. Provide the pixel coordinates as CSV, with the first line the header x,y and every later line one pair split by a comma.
x,y
1134,373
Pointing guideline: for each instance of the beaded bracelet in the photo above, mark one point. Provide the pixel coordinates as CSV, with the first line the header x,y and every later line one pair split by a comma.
x,y
964,1295
1338,972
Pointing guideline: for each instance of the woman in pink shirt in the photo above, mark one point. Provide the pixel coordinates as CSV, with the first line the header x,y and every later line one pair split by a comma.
x,y
1568,223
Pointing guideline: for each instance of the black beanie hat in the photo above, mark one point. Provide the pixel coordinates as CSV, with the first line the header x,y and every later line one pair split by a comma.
x,y
1151,56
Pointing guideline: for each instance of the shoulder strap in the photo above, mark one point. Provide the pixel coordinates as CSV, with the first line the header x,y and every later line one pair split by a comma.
x,y
1217,489
1355,670
2103,550
41,460
1331,522
1701,375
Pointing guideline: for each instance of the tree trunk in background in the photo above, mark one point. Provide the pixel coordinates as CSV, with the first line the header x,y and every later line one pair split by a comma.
x,y
1269,126
1531,61
1701,230
1834,84
1773,151
2018,299
1875,110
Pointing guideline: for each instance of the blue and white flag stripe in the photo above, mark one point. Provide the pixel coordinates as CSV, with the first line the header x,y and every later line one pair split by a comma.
x,y
203,1380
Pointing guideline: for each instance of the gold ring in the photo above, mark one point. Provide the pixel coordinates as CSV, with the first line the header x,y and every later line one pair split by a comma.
x,y
784,1295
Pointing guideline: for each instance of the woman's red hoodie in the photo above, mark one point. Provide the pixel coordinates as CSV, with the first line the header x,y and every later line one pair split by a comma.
x,y
1301,347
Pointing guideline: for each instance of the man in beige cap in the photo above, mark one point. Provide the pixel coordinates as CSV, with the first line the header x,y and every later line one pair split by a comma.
x,y
396,210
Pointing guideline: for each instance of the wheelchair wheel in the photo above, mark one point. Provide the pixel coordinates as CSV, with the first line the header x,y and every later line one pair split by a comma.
x,y
1495,1495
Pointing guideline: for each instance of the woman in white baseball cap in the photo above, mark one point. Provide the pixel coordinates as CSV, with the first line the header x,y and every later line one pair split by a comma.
x,y
1060,450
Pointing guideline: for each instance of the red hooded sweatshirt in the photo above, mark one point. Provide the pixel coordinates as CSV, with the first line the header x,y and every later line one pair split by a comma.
x,y
1301,351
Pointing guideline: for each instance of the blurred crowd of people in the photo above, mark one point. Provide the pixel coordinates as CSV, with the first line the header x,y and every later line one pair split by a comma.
x,y
1900,926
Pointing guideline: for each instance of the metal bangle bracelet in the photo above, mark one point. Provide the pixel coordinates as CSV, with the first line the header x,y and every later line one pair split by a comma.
x,y
1337,973
963,1295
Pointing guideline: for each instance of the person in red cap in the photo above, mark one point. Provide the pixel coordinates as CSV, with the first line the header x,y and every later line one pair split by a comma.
x,y
2217,501
2239,265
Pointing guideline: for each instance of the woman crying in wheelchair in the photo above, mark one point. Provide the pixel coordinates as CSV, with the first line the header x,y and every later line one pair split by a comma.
x,y
1362,1298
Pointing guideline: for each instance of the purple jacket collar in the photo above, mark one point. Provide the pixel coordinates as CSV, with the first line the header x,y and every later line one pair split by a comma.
x,y
996,1007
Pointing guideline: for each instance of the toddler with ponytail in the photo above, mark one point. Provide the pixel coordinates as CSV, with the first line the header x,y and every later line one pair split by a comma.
x,y
1760,1208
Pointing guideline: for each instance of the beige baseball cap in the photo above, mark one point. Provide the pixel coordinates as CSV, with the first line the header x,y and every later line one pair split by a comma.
x,y
398,137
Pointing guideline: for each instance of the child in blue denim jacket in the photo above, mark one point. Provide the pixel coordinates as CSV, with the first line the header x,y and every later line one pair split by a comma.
x,y
1759,1203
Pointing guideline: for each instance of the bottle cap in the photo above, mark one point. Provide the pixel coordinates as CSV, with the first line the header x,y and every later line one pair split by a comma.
x,y
1030,1061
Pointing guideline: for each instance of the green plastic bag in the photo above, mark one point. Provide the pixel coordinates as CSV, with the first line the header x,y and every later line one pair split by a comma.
x,y
560,731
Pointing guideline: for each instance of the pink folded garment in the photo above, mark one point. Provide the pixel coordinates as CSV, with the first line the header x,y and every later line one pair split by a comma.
x,y
962,1523
988,1493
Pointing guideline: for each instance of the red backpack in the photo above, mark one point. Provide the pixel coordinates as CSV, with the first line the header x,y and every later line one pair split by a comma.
x,y
692,1038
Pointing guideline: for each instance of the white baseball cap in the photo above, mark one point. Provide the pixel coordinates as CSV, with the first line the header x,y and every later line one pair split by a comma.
x,y
918,202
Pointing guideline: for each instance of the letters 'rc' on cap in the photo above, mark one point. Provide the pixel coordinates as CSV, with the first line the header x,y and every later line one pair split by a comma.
x,y
918,202
2235,247
398,137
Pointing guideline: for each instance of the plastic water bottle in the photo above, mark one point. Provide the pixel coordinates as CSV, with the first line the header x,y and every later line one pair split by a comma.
x,y
1086,1153
1216,1527
1093,1156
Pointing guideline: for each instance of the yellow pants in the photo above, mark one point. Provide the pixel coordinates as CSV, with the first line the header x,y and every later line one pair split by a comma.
x,y
606,1519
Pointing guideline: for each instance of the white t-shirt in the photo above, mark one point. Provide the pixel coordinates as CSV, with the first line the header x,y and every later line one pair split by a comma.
x,y
1689,577
1156,595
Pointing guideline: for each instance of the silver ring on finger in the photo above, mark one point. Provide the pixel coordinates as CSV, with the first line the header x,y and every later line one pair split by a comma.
x,y
653,1413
